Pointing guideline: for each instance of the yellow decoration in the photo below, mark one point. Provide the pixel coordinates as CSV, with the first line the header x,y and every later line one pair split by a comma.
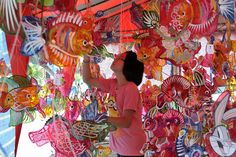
x,y
48,111
231,84
152,65
103,151
233,45
157,72
111,107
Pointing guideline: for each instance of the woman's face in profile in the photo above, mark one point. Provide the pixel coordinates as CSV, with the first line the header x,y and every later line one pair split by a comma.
x,y
118,63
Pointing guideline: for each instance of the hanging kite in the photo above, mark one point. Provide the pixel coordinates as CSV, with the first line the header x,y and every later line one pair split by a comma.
x,y
205,19
68,37
220,139
22,99
58,132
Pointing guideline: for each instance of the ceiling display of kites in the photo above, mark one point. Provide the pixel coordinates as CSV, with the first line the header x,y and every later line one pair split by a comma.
x,y
188,92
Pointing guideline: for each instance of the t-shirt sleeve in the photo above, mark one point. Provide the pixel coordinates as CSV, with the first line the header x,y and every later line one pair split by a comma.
x,y
132,98
106,85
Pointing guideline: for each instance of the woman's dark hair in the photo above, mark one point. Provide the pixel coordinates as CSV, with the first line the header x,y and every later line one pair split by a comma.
x,y
133,68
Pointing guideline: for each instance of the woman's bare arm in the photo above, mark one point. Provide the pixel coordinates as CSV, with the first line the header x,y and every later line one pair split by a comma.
x,y
122,122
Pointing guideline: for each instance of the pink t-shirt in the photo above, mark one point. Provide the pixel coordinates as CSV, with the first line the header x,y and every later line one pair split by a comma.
x,y
126,141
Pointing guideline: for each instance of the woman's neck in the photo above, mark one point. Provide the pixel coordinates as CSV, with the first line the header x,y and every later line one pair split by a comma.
x,y
121,80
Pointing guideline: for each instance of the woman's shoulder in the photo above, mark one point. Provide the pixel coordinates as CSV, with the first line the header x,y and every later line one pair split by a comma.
x,y
131,85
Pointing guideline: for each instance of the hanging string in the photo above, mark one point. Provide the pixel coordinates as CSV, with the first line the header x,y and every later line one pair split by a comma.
x,y
223,37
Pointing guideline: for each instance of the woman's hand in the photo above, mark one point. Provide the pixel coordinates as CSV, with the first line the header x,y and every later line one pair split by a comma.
x,y
86,72
86,59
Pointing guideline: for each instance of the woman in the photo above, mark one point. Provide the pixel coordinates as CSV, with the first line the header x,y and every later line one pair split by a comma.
x,y
129,137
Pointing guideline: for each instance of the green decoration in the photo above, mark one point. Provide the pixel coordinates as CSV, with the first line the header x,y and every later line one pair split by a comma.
x,y
21,80
16,118
20,1
47,3
102,51
37,72
11,83
26,118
